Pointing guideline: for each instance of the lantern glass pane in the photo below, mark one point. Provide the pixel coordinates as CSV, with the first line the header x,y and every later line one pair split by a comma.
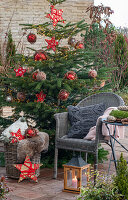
x,y
84,177
72,181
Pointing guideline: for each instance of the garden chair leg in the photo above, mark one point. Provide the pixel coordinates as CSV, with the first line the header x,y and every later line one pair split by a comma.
x,y
95,166
55,163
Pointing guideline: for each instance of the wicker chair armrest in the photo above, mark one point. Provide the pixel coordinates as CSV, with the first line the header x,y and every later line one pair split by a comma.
x,y
99,136
61,124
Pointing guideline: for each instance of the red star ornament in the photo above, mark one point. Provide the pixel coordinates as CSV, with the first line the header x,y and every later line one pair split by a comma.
x,y
20,71
52,43
41,96
27,169
18,136
55,16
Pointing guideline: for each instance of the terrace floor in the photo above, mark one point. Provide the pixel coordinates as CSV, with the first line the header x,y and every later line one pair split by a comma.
x,y
47,188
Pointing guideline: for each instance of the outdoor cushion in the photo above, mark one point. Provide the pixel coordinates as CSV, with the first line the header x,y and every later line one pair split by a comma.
x,y
83,118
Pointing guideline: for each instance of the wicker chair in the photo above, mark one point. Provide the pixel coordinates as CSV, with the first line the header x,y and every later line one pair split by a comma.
x,y
87,146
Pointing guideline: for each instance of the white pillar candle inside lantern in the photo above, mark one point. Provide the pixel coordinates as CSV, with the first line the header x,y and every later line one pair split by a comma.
x,y
76,174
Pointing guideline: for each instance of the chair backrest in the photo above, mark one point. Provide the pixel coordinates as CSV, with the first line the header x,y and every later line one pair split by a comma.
x,y
108,98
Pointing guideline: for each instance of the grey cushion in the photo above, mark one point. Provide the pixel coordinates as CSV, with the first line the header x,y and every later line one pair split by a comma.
x,y
83,118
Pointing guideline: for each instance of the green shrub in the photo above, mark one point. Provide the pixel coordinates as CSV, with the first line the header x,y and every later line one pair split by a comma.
x,y
107,188
121,179
4,189
103,190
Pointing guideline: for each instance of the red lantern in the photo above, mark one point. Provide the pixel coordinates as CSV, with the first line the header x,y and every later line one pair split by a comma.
x,y
70,75
63,95
31,38
79,45
92,73
40,55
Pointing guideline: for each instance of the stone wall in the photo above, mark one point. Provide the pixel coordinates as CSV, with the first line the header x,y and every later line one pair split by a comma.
x,y
15,12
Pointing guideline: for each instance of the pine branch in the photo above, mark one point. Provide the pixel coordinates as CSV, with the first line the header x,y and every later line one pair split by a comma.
x,y
54,2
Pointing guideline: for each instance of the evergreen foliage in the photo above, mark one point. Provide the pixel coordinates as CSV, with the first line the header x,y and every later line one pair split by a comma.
x,y
120,74
121,179
10,50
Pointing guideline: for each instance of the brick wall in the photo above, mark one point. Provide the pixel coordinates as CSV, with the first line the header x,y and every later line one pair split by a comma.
x,y
15,12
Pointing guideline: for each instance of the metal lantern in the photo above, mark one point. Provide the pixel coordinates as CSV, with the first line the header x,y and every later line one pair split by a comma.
x,y
76,174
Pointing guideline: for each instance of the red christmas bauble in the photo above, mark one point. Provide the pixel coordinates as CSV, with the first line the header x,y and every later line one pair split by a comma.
x,y
21,96
92,73
40,55
31,38
63,95
30,132
40,76
79,45
72,41
34,75
70,75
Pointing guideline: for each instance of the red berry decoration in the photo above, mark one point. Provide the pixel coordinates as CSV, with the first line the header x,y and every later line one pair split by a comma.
x,y
31,38
21,96
30,132
92,73
40,55
63,95
70,75
40,76
79,45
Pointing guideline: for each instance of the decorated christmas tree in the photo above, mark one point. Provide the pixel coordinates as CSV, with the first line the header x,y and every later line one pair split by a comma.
x,y
56,75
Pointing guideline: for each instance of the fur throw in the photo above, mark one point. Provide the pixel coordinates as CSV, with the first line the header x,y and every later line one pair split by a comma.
x,y
32,146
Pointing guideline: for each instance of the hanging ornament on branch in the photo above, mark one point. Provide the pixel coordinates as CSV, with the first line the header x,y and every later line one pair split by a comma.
x,y
41,96
55,16
40,76
92,73
72,41
9,98
31,38
34,75
70,75
21,96
40,55
79,45
20,71
63,95
52,43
